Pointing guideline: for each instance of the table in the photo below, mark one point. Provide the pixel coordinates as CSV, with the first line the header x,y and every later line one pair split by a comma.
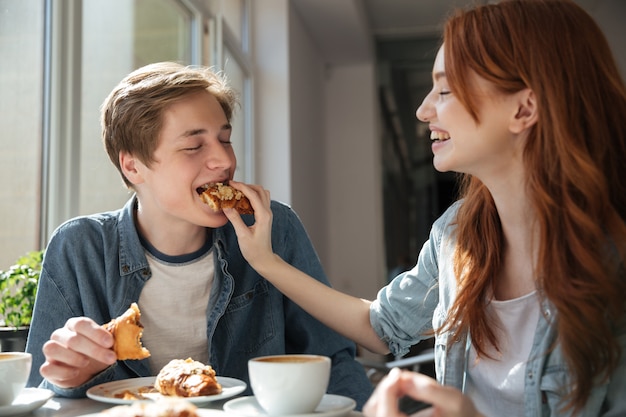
x,y
70,407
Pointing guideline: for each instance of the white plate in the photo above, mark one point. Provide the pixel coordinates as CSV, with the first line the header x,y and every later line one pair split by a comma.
x,y
29,399
107,392
330,406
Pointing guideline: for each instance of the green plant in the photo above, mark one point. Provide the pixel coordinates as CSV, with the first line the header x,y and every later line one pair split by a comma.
x,y
18,287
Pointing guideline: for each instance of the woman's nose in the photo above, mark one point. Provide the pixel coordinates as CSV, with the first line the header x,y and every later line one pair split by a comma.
x,y
426,111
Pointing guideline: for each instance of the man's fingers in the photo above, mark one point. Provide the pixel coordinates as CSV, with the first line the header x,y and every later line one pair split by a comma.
x,y
83,336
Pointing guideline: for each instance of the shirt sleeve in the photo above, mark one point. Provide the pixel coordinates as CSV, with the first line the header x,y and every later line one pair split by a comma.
x,y
402,314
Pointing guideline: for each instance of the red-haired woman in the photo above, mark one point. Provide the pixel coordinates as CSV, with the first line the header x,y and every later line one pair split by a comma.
x,y
522,280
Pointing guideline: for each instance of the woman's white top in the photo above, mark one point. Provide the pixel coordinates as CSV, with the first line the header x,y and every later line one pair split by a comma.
x,y
496,384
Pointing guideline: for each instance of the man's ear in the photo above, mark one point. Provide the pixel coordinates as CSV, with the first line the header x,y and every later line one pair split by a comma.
x,y
130,166
527,112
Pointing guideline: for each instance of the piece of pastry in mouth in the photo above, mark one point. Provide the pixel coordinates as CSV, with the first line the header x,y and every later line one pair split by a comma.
x,y
220,196
187,378
127,331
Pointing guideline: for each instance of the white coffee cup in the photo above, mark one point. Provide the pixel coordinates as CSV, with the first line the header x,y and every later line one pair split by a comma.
x,y
289,384
14,371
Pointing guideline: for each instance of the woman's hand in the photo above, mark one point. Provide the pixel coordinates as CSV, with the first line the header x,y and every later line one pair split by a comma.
x,y
446,401
255,242
76,352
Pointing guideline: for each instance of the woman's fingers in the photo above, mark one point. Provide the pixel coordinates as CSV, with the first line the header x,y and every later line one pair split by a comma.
x,y
255,241
384,400
446,401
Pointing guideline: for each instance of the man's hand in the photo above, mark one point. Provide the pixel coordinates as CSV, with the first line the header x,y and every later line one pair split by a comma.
x,y
76,352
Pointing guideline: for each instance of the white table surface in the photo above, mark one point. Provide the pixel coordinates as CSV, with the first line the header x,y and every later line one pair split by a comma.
x,y
69,407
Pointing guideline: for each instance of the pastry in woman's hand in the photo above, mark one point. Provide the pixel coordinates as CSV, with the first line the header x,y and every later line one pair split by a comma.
x,y
220,196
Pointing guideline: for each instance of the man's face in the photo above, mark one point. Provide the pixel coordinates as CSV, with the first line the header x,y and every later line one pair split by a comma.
x,y
194,149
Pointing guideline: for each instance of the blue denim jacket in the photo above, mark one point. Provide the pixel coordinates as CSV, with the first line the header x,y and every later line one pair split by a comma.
x,y
418,301
95,266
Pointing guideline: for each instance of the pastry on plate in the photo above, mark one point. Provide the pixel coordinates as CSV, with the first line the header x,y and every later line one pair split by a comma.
x,y
187,378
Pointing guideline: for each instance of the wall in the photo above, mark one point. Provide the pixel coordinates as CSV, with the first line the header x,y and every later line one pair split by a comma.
x,y
610,15
355,230
270,43
309,170
318,151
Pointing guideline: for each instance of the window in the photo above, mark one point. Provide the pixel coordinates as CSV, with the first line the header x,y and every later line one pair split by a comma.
x,y
118,37
21,75
60,60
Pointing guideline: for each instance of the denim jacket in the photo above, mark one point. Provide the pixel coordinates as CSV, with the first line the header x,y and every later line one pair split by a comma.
x,y
95,266
417,301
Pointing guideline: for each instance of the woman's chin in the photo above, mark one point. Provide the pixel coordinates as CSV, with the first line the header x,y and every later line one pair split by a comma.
x,y
440,165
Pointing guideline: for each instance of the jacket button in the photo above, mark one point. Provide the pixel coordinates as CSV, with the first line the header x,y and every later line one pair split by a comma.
x,y
125,268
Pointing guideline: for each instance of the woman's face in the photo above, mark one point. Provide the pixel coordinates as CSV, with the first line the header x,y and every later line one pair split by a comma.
x,y
460,143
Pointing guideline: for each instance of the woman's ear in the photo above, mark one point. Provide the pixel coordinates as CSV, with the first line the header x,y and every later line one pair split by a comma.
x,y
129,166
527,112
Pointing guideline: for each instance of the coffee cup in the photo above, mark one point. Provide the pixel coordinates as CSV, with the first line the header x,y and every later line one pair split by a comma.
x,y
289,384
14,371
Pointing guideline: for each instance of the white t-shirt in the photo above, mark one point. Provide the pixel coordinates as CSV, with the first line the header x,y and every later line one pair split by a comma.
x,y
173,306
497,385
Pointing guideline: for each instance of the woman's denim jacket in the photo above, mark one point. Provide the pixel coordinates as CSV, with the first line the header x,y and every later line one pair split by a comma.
x,y
417,301
95,266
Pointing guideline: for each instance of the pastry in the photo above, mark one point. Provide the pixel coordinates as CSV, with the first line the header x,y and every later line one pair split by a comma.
x,y
220,196
187,378
127,330
163,407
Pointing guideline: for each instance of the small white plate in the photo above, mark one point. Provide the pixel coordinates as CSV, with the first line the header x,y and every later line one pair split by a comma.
x,y
330,406
29,399
107,392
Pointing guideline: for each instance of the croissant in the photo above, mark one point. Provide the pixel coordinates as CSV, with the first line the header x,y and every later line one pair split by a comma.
x,y
187,378
220,196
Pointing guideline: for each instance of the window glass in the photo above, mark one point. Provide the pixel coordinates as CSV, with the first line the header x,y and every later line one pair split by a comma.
x,y
21,75
118,37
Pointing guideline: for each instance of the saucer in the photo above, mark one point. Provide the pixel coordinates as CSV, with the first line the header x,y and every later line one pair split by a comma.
x,y
29,399
330,406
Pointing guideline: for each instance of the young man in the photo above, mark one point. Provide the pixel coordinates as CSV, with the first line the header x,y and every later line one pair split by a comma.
x,y
167,129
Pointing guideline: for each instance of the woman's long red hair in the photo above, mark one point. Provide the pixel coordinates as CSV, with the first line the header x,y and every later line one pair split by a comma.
x,y
575,159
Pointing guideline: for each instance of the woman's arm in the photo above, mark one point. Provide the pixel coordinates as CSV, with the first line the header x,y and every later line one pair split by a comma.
x,y
343,313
